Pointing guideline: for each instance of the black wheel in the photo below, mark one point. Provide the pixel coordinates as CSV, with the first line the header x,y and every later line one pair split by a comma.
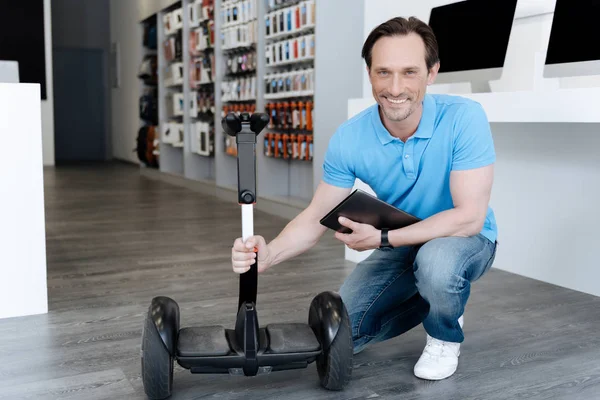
x,y
335,364
157,363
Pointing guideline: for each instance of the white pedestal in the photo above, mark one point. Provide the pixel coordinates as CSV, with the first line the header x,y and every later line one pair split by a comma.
x,y
23,287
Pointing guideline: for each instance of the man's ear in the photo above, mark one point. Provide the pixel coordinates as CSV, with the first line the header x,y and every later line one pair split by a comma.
x,y
433,71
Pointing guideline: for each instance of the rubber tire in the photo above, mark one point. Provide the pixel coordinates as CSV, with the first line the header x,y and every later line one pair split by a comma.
x,y
157,363
334,365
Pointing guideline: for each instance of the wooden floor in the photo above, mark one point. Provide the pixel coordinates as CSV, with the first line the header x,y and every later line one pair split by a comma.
x,y
115,240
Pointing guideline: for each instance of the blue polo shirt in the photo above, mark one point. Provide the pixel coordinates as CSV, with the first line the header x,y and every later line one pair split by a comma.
x,y
453,134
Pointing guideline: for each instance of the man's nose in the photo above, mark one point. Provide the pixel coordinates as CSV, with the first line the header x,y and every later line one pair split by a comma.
x,y
397,87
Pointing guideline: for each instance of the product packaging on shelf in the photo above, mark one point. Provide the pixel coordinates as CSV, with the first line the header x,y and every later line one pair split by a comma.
x,y
173,21
296,115
203,70
291,146
240,62
239,24
295,83
240,89
172,47
202,138
290,20
200,11
172,133
289,51
174,104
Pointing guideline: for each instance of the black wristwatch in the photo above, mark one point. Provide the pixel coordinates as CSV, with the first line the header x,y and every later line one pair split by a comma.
x,y
385,243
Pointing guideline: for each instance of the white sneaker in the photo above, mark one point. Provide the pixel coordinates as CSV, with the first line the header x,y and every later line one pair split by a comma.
x,y
439,359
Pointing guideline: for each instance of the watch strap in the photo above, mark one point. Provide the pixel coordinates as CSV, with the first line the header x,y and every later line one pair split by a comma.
x,y
385,243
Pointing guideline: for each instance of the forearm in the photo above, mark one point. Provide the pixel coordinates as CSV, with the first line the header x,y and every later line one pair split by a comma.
x,y
452,222
301,234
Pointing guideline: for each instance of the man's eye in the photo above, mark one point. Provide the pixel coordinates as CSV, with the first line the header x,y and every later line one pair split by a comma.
x,y
383,73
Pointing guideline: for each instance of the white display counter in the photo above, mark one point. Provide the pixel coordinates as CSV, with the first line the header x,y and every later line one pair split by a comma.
x,y
578,105
23,287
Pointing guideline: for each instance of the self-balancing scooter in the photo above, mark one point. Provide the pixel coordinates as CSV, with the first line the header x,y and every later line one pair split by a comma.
x,y
247,349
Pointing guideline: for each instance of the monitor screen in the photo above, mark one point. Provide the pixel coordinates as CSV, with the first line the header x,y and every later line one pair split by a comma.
x,y
22,39
574,35
472,34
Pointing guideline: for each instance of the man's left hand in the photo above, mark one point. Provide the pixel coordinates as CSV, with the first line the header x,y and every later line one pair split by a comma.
x,y
363,236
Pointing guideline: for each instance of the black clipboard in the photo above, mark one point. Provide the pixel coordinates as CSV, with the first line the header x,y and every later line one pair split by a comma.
x,y
362,207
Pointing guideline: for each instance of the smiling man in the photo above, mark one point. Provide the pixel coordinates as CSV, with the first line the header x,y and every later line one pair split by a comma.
x,y
429,155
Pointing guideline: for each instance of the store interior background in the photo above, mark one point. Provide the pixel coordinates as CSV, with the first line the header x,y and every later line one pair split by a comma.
x,y
546,190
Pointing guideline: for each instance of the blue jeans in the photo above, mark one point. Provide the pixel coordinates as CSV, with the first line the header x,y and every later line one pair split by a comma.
x,y
394,290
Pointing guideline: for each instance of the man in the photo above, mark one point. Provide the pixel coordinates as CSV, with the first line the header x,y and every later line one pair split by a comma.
x,y
429,155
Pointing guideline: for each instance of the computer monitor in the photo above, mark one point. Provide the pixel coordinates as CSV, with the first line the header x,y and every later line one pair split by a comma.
x,y
472,38
573,45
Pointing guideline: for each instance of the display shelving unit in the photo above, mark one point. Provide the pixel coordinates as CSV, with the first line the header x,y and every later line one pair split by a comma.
x,y
237,75
252,56
171,89
288,83
199,77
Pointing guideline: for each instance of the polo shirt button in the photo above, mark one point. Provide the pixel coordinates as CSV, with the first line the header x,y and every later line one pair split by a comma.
x,y
406,156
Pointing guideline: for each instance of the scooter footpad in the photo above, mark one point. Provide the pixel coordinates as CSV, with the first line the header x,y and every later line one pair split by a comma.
x,y
203,341
291,338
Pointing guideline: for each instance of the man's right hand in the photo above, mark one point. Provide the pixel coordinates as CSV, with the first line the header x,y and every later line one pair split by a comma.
x,y
243,255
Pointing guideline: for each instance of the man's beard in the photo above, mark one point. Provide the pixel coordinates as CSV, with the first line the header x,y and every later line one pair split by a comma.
x,y
394,114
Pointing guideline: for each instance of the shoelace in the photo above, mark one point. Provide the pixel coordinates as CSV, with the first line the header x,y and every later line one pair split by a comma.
x,y
434,347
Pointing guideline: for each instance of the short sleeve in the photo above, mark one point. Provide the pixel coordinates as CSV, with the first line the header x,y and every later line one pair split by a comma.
x,y
337,170
473,142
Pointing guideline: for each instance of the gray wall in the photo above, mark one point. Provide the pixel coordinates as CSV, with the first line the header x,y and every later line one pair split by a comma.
x,y
338,70
85,24
81,23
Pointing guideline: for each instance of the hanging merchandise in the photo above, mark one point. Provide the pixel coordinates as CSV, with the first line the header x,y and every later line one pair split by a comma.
x,y
290,20
202,139
174,74
149,106
296,83
172,133
206,104
239,24
174,104
293,115
240,62
289,51
147,146
148,70
202,71
150,36
204,37
241,89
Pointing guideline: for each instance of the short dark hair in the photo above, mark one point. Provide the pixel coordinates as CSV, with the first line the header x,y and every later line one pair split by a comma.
x,y
400,26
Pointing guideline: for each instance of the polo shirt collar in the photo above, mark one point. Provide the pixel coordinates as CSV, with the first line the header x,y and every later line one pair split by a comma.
x,y
424,130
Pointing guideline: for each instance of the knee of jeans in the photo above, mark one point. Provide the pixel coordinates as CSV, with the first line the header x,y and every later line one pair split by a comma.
x,y
356,312
436,267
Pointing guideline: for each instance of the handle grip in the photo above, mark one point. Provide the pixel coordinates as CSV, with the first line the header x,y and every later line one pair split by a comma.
x,y
249,283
